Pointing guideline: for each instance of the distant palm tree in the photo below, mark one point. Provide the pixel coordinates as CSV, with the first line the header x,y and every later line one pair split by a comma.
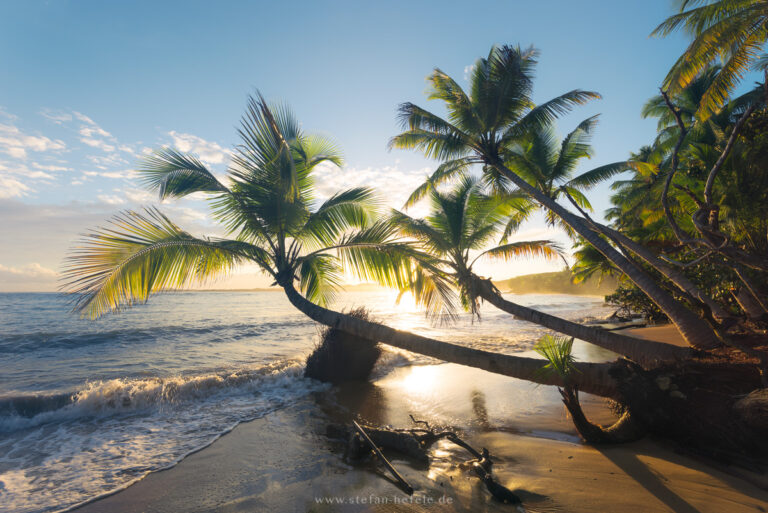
x,y
267,204
456,232
549,164
482,128
734,31
590,263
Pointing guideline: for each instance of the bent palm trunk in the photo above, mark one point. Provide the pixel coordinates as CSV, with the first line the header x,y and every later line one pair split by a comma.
x,y
694,330
680,280
592,378
625,429
644,352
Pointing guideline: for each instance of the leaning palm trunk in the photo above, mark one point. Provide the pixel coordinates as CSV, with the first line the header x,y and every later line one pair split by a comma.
x,y
592,378
694,330
644,352
679,279
676,277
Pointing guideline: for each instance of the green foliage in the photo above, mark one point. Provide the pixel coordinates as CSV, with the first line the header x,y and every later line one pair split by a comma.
x,y
732,31
631,300
557,351
498,120
267,205
455,234
591,264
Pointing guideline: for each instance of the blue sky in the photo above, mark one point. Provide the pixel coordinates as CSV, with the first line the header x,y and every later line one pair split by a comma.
x,y
86,87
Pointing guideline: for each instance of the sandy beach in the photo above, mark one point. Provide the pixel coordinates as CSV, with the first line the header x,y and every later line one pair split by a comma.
x,y
284,462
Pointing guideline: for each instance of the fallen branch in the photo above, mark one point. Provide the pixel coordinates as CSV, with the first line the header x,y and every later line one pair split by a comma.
x,y
407,487
413,442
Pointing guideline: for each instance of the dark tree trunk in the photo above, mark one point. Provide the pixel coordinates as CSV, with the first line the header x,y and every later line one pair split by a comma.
x,y
645,352
591,377
694,330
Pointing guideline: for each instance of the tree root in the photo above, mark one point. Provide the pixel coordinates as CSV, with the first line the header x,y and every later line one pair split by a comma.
x,y
624,430
414,443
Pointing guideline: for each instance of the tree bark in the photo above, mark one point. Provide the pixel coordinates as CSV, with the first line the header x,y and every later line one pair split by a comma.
x,y
680,280
752,290
592,378
624,430
694,330
644,352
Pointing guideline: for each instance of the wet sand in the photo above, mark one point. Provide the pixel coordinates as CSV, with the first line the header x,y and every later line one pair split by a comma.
x,y
283,461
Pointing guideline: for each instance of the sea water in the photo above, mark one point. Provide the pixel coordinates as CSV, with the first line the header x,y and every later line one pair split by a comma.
x,y
89,407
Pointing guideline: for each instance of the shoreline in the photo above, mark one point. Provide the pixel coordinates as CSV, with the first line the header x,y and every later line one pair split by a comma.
x,y
284,462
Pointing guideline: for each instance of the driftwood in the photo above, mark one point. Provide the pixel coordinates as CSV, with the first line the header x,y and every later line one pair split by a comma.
x,y
403,483
414,443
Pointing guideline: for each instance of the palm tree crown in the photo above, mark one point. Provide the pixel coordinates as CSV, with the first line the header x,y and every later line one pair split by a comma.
x,y
268,207
462,222
735,31
483,124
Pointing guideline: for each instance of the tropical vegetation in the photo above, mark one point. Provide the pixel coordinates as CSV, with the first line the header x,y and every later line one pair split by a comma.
x,y
686,235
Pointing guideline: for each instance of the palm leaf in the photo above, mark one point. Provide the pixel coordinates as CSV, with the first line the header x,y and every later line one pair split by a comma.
x,y
558,352
602,173
319,278
345,210
174,174
533,248
141,254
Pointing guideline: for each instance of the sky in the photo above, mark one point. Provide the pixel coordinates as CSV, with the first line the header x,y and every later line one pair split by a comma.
x,y
89,87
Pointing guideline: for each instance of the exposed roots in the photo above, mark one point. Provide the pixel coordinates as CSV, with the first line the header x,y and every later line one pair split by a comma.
x,y
626,429
714,409
415,443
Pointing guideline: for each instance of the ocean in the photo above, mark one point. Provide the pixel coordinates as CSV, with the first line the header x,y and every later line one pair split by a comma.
x,y
89,407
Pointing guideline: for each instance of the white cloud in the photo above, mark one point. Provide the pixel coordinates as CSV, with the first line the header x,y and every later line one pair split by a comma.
x,y
111,199
16,152
209,152
14,177
110,174
468,70
33,270
16,143
7,115
50,167
98,143
56,116
12,188
330,180
27,278
139,196
94,130
83,118
116,174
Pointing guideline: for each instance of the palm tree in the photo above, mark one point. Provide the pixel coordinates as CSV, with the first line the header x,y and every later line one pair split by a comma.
x,y
455,233
734,31
268,208
481,129
590,263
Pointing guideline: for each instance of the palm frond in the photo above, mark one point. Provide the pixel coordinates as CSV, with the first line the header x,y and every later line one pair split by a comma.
x,y
433,290
438,146
144,253
558,352
445,172
319,278
544,114
174,174
546,249
600,174
575,147
345,210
